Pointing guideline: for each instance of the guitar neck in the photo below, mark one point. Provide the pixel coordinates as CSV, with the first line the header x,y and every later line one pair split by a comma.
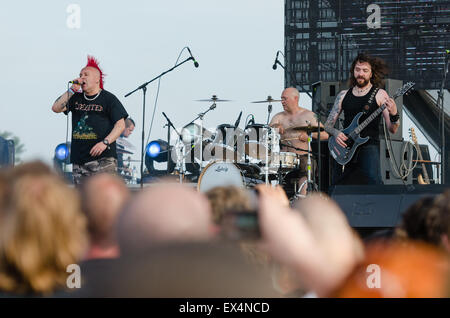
x,y
424,168
369,119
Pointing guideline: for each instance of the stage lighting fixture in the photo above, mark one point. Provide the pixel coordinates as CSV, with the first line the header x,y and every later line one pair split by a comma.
x,y
62,152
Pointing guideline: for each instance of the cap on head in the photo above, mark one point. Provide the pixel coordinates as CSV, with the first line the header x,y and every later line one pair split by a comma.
x,y
93,62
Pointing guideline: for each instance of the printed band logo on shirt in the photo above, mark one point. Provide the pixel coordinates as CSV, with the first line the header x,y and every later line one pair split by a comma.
x,y
83,131
88,108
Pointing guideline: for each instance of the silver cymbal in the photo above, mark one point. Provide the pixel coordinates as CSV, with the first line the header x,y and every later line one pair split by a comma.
x,y
269,99
307,129
214,99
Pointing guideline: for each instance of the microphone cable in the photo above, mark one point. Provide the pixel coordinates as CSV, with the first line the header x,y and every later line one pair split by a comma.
x,y
157,95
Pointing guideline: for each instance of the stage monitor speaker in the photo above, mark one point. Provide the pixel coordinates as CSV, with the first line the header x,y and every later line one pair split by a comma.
x,y
401,153
374,206
323,97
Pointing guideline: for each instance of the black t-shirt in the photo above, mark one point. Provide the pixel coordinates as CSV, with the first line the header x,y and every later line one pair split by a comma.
x,y
352,105
92,121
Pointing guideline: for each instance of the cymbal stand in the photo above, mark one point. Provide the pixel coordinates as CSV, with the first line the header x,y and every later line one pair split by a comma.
x,y
311,186
269,110
200,116
180,149
266,168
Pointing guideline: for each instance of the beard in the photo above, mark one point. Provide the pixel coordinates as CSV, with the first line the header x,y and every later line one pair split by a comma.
x,y
363,84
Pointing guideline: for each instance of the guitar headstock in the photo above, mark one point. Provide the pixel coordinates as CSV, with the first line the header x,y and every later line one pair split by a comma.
x,y
404,90
413,135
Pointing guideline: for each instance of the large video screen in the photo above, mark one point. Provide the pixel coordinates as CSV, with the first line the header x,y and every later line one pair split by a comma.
x,y
323,37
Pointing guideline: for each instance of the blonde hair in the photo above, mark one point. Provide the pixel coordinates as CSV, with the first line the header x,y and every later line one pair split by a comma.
x,y
41,233
226,199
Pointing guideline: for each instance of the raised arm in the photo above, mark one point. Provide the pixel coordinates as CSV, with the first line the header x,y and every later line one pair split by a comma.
x,y
390,113
60,104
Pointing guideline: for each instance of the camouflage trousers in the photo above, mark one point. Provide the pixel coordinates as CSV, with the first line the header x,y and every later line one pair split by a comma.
x,y
102,165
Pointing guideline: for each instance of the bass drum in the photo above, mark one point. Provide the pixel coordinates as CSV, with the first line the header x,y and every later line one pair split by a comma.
x,y
222,173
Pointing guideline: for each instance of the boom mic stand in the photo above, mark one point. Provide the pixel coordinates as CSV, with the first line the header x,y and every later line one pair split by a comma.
x,y
441,101
144,90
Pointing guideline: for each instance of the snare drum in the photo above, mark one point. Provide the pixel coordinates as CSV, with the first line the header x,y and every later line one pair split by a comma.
x,y
220,173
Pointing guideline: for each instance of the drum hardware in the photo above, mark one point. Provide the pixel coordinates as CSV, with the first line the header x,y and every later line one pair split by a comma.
x,y
311,186
200,116
213,99
269,100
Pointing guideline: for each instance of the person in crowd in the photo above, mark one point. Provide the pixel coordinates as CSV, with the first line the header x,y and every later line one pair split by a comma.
x,y
42,232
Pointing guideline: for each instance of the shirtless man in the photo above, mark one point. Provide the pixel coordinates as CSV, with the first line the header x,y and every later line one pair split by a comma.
x,y
295,116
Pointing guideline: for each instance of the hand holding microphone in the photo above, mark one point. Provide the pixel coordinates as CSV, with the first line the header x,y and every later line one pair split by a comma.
x,y
76,85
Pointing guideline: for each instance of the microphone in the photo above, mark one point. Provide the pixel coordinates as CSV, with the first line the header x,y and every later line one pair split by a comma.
x,y
252,120
76,82
276,60
190,53
236,124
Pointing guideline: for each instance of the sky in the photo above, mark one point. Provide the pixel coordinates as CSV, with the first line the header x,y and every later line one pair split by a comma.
x,y
45,44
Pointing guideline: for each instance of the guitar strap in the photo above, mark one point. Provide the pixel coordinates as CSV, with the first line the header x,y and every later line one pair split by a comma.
x,y
369,102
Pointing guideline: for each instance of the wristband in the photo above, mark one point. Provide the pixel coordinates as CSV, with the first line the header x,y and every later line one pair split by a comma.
x,y
394,118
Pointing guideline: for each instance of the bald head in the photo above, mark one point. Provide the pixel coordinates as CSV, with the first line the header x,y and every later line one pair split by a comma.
x,y
103,197
292,91
166,213
289,98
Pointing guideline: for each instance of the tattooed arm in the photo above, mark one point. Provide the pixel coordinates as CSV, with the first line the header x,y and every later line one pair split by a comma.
x,y
334,115
60,103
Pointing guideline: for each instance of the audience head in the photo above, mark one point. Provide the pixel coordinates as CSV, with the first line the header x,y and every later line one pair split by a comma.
x,y
428,220
228,199
398,269
164,214
41,232
102,198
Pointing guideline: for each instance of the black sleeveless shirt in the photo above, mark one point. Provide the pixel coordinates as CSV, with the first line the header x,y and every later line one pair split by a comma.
x,y
352,105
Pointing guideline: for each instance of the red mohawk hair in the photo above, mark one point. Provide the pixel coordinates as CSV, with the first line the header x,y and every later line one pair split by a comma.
x,y
93,62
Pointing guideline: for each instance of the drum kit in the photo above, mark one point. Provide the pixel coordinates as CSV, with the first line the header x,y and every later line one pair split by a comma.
x,y
243,158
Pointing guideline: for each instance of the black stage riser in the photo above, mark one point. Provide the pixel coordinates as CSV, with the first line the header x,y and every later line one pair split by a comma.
x,y
380,206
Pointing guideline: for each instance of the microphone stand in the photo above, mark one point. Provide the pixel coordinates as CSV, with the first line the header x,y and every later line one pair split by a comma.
x,y
169,124
293,79
144,90
441,101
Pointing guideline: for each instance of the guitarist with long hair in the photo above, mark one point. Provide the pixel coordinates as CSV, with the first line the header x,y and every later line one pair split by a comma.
x,y
365,95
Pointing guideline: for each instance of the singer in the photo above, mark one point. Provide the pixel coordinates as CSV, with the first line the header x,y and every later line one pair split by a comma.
x,y
98,119
295,116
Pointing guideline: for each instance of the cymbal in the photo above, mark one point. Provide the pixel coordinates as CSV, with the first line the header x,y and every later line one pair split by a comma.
x,y
125,143
214,99
124,151
269,99
306,129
